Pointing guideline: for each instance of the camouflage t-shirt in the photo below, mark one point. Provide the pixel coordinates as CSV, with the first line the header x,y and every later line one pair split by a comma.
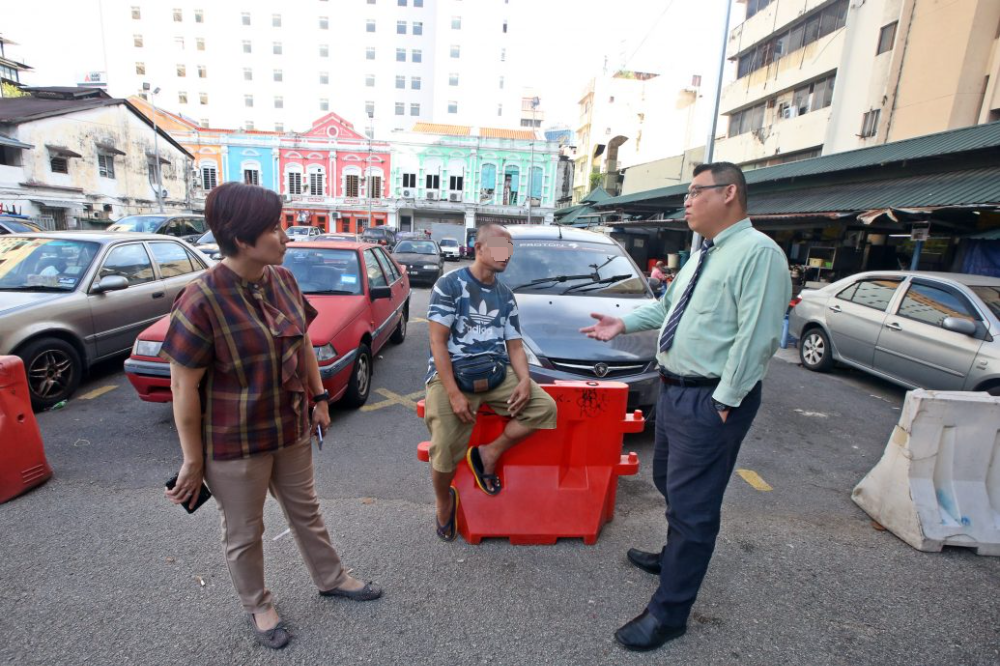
x,y
482,317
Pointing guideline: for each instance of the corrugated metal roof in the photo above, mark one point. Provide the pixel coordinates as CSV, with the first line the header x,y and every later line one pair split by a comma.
x,y
434,128
952,142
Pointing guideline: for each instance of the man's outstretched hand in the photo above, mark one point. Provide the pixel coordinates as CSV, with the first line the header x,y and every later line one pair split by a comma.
x,y
606,328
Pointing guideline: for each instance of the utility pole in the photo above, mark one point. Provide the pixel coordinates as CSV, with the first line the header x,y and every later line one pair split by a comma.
x,y
531,164
156,146
368,185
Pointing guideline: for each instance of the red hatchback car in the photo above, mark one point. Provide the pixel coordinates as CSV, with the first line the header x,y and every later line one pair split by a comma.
x,y
363,300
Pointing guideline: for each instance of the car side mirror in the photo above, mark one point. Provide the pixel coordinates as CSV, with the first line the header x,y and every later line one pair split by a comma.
x,y
381,292
963,326
110,283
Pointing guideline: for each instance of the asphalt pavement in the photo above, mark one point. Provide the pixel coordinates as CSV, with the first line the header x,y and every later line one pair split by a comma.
x,y
96,567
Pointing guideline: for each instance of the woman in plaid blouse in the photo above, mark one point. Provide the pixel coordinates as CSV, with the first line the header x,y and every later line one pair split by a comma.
x,y
243,375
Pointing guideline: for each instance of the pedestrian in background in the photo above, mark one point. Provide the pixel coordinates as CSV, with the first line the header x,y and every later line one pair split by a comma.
x,y
720,322
658,272
244,376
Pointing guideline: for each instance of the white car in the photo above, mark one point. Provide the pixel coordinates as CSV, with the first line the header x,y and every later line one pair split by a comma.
x,y
449,249
303,233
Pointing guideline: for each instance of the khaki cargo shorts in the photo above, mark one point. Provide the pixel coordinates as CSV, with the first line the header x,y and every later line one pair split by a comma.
x,y
450,437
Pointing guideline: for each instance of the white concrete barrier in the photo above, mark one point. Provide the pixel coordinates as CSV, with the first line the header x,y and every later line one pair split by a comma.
x,y
938,482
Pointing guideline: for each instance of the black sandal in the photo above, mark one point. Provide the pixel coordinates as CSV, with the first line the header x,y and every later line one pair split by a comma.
x,y
275,638
449,530
488,483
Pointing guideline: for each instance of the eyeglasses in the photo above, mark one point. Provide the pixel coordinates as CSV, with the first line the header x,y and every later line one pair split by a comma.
x,y
695,190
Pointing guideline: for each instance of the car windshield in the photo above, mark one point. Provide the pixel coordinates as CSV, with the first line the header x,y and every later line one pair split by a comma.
x,y
43,264
17,227
207,239
570,267
140,223
990,295
325,271
448,242
415,247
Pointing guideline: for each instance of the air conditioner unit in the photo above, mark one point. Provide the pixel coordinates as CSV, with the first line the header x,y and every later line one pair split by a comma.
x,y
102,215
455,196
408,194
288,197
432,195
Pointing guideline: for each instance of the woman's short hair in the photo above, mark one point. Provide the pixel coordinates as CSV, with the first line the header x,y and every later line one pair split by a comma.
x,y
237,211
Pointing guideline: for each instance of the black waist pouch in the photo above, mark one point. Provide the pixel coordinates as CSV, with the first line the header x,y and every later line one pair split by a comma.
x,y
479,374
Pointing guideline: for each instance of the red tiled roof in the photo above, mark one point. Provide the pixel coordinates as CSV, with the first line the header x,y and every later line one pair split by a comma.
x,y
497,133
433,128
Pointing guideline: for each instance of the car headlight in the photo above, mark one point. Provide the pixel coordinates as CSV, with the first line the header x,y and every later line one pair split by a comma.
x,y
532,357
325,353
146,348
430,267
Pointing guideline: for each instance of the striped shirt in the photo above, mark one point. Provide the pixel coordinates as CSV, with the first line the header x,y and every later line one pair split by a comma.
x,y
249,336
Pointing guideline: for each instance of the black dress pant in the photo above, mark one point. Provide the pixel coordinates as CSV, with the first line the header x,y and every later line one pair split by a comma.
x,y
693,458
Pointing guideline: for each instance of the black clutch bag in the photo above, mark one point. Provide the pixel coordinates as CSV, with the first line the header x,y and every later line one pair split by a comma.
x,y
203,494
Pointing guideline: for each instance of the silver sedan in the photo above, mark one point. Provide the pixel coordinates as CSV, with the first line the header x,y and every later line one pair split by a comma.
x,y
918,330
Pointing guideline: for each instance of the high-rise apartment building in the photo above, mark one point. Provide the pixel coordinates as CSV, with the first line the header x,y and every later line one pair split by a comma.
x,y
278,66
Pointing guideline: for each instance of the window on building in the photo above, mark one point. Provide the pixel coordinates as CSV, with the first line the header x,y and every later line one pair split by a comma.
x,y
869,123
245,18
248,125
409,180
181,70
886,38
324,105
324,23
453,79
324,50
400,81
499,109
432,181
401,3
279,102
505,27
179,43
452,107
279,127
182,97
501,83
199,43
535,189
324,78
400,108
418,3
106,165
275,20
203,122
456,183
370,109
277,48
456,51
416,55
248,101
370,53
247,46
400,27
352,183
137,41
178,16
414,109
203,98
279,76
414,83
59,164
199,16
418,27
456,22
140,68
754,6
400,55
136,13
370,25
294,185
247,74
202,72
370,81
804,32
374,187
251,176
503,55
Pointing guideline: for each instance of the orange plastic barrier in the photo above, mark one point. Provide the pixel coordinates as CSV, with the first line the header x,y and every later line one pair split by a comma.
x,y
558,483
22,457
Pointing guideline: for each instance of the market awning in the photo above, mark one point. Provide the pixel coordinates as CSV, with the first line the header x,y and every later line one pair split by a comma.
x,y
57,204
62,151
13,143
109,148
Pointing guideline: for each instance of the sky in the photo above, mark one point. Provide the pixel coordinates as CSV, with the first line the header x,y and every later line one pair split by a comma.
x,y
568,42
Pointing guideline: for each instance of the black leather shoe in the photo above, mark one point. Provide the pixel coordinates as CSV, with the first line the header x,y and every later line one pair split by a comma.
x,y
648,562
646,633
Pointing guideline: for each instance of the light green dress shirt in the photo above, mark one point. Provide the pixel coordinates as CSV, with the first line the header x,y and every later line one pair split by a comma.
x,y
732,325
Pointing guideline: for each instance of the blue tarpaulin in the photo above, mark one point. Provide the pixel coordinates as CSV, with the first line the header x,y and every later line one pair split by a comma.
x,y
982,258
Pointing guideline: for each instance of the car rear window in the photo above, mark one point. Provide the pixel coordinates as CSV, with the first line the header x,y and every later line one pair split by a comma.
x,y
139,223
875,293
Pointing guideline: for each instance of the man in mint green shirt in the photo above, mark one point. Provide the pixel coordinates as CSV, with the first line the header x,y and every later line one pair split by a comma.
x,y
719,321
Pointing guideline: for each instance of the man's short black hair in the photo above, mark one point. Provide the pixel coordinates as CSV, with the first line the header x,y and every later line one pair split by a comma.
x,y
240,211
729,174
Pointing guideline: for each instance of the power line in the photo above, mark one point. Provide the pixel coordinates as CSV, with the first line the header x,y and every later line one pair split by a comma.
x,y
651,29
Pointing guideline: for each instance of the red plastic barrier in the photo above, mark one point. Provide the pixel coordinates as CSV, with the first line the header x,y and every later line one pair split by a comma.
x,y
558,483
22,456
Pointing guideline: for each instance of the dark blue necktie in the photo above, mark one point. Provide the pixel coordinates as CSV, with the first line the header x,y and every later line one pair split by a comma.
x,y
670,330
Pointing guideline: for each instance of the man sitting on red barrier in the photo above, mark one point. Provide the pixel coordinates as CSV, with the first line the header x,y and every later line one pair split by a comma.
x,y
477,357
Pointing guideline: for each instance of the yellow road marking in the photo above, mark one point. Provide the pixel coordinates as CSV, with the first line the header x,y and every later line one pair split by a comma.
x,y
753,478
96,393
394,399
417,320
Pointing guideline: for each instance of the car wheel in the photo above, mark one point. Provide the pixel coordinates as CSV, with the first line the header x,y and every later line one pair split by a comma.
x,y
815,352
360,384
54,371
399,335
992,389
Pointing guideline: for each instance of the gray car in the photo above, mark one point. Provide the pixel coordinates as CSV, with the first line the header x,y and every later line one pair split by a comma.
x,y
188,227
71,299
919,330
560,276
